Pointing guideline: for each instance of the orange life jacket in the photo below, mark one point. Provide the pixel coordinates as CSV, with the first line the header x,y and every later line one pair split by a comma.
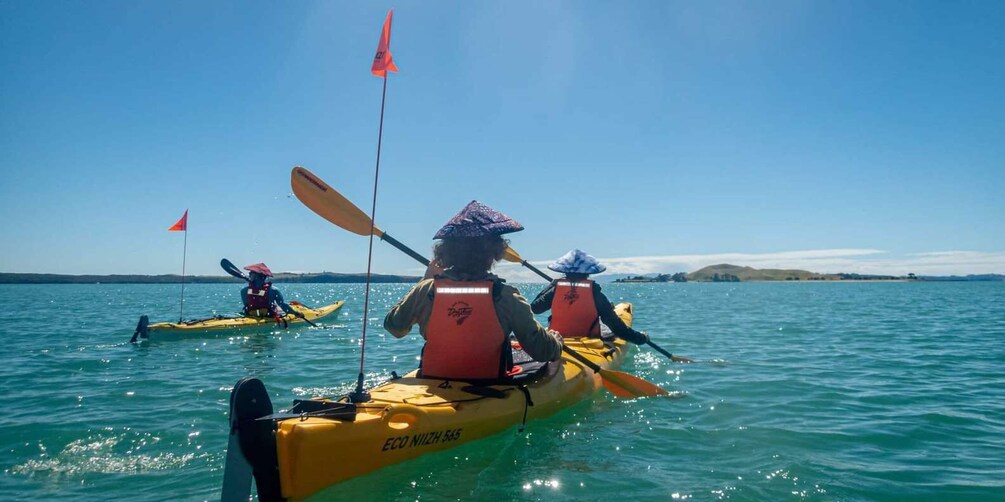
x,y
464,340
573,312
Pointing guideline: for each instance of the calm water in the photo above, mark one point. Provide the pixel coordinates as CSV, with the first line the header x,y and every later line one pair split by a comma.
x,y
858,391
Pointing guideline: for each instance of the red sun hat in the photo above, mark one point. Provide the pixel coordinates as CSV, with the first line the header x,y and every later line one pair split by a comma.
x,y
259,268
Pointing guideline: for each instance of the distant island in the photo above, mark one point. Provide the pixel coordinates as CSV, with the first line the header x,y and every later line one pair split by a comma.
x,y
734,273
319,278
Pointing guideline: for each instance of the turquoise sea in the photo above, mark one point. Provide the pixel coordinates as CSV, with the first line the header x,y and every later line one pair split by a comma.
x,y
821,391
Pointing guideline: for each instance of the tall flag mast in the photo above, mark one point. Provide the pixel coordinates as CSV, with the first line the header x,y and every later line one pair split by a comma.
x,y
182,226
382,63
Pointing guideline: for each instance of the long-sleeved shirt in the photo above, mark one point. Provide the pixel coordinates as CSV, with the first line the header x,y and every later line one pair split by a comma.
x,y
512,309
542,303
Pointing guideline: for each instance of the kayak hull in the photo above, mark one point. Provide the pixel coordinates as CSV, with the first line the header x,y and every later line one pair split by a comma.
x,y
408,417
239,324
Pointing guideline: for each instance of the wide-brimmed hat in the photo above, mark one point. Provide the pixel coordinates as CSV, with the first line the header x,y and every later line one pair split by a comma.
x,y
259,268
577,262
477,220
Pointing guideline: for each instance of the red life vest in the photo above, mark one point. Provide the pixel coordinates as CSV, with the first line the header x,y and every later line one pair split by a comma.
x,y
258,298
573,312
464,340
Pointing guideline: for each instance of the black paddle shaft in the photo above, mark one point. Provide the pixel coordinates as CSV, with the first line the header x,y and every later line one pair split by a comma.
x,y
405,249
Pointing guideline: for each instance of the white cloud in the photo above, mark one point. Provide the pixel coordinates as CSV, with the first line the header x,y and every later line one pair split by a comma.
x,y
860,261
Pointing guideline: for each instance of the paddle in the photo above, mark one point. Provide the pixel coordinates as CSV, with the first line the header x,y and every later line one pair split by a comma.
x,y
676,359
511,255
619,383
232,269
332,206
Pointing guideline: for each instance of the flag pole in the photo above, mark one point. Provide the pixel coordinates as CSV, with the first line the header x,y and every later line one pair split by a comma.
x,y
382,62
184,254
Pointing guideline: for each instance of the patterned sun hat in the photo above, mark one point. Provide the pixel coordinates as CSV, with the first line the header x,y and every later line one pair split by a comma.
x,y
477,220
259,268
577,262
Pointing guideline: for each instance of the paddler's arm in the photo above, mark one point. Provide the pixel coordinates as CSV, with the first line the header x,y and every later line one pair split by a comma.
x,y
514,311
413,307
611,319
277,298
542,303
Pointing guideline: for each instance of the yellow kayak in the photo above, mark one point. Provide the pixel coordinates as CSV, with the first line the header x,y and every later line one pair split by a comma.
x,y
237,324
321,441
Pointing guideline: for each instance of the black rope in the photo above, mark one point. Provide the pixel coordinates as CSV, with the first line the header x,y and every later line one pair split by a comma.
x,y
527,404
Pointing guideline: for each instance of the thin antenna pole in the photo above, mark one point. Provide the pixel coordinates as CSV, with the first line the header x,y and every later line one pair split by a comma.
x,y
184,254
360,395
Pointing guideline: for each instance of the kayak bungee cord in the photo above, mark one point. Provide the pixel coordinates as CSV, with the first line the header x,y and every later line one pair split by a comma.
x,y
382,62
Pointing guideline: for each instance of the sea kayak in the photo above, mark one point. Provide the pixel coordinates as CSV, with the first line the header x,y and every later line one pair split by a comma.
x,y
237,324
321,442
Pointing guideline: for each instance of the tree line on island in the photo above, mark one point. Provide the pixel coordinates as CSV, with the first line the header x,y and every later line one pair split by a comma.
x,y
734,273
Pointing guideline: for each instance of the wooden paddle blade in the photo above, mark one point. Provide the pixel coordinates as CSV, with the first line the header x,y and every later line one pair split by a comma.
x,y
329,204
629,386
510,254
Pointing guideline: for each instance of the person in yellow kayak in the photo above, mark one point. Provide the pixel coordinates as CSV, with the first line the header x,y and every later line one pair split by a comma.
x,y
261,299
466,313
577,304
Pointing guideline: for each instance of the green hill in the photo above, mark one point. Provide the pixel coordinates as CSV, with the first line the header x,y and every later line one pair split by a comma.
x,y
735,273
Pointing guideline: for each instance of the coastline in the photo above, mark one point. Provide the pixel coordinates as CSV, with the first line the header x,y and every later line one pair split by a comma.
x,y
282,278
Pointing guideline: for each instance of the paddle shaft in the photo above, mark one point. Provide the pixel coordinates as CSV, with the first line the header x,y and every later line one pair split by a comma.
x,y
535,270
659,349
403,248
579,357
676,359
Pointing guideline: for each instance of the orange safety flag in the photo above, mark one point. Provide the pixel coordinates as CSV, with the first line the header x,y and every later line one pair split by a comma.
x,y
181,225
382,61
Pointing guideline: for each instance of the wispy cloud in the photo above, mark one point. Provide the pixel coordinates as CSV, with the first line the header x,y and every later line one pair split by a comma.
x,y
860,261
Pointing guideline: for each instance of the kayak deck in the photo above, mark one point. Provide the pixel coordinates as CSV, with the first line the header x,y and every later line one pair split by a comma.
x,y
243,323
330,441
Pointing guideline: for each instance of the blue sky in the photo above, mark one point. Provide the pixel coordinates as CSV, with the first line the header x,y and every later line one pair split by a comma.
x,y
657,136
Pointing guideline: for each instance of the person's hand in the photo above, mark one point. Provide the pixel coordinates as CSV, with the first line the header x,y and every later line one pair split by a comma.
x,y
556,335
435,268
645,338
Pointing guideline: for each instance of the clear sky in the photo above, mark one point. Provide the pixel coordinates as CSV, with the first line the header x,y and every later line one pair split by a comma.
x,y
853,136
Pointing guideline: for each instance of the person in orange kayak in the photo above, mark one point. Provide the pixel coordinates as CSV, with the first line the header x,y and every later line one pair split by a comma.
x,y
261,299
466,313
577,304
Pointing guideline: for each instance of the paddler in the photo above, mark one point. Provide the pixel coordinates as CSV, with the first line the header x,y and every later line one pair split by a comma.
x,y
466,313
577,304
261,299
